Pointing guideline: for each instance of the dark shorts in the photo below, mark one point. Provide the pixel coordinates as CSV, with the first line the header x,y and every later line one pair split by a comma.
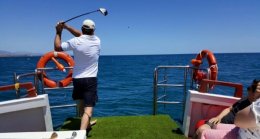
x,y
85,89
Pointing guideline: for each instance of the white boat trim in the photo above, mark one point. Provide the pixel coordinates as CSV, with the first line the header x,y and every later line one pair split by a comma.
x,y
26,115
194,105
79,134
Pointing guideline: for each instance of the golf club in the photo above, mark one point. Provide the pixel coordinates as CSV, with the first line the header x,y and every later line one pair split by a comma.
x,y
102,10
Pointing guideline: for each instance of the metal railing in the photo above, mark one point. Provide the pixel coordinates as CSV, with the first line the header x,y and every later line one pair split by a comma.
x,y
39,85
17,80
45,88
162,80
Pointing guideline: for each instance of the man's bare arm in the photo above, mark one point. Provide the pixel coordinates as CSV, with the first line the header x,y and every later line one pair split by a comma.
x,y
72,30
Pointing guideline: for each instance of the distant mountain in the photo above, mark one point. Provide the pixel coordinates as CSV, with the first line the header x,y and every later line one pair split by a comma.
x,y
4,52
14,54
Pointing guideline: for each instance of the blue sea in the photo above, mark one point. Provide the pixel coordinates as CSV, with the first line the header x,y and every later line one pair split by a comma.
x,y
126,82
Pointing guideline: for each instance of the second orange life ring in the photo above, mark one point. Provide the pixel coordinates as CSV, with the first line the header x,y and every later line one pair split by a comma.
x,y
198,75
52,56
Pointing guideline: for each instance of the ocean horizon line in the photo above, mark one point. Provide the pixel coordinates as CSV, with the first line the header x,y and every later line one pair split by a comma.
x,y
11,54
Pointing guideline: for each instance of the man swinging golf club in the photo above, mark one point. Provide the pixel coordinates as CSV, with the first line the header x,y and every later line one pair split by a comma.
x,y
86,49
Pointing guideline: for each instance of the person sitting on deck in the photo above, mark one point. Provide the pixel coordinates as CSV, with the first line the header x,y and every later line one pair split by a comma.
x,y
248,119
227,116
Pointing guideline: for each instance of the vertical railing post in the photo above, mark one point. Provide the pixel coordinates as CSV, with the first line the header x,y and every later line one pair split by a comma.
x,y
165,81
184,89
155,81
17,91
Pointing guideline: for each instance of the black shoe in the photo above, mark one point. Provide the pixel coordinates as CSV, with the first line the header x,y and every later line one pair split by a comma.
x,y
88,130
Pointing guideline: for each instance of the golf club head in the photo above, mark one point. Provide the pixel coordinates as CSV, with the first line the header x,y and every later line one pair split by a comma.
x,y
103,11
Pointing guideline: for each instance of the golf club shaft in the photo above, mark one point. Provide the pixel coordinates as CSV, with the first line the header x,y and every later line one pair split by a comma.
x,y
79,16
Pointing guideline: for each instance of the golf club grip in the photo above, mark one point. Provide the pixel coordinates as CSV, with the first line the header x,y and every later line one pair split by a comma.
x,y
79,16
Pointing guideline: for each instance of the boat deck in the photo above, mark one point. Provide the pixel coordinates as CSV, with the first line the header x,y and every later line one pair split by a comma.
x,y
129,127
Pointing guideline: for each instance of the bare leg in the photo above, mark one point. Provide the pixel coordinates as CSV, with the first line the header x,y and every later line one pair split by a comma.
x,y
86,118
81,111
80,107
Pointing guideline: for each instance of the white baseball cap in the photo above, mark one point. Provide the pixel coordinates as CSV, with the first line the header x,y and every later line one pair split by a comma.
x,y
89,24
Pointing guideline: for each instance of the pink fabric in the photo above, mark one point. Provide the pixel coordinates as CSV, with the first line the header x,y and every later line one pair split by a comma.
x,y
225,126
222,131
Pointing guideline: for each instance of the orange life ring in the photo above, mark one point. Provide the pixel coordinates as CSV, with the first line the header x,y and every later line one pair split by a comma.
x,y
51,56
198,75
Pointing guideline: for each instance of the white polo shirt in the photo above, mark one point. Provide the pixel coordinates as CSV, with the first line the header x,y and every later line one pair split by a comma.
x,y
86,50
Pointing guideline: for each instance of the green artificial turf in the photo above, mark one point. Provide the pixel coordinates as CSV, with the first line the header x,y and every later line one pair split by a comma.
x,y
129,127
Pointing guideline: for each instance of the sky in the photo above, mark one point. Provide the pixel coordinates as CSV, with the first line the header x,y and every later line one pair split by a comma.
x,y
136,27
